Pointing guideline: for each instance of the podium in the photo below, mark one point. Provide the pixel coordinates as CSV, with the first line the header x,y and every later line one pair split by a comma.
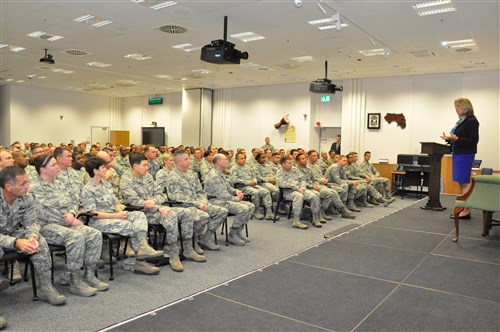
x,y
435,152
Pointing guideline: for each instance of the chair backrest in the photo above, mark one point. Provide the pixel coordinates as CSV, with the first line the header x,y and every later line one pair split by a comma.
x,y
487,171
485,194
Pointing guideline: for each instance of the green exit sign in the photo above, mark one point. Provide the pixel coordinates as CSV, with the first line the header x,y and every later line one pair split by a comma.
x,y
325,98
155,101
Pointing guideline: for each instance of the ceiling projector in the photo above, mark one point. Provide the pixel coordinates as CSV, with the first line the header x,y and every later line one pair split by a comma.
x,y
324,85
222,52
48,58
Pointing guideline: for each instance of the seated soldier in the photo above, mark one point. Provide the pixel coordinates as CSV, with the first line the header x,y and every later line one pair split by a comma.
x,y
139,189
20,231
243,174
380,183
291,179
162,175
57,216
98,197
221,193
265,175
184,187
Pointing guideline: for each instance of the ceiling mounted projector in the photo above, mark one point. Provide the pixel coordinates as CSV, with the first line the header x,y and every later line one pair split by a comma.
x,y
324,85
222,52
48,58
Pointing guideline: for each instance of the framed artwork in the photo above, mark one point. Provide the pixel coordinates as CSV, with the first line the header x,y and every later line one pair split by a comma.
x,y
373,121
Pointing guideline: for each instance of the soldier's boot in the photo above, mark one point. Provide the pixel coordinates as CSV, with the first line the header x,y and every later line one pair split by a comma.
x,y
129,252
270,214
191,254
105,253
90,278
48,293
345,213
316,220
352,207
234,238
143,267
16,276
372,201
242,235
207,241
331,211
257,214
78,286
388,195
146,251
388,201
197,247
364,203
297,224
324,215
173,253
3,322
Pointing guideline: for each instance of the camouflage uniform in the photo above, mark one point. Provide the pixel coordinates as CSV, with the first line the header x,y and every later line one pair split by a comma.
x,y
136,191
72,180
354,172
325,194
323,165
20,221
264,174
153,167
336,175
243,175
222,194
195,165
100,197
123,162
161,178
371,171
32,173
205,167
275,168
186,189
113,178
292,181
83,244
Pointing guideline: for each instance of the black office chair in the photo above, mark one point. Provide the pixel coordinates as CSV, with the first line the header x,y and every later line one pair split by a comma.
x,y
9,258
487,171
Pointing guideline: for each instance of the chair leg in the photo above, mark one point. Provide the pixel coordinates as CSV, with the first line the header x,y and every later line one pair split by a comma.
x,y
33,281
227,235
487,216
110,249
26,265
180,237
246,229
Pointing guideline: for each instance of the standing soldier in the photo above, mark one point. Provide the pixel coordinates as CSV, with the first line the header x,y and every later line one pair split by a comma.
x,y
222,194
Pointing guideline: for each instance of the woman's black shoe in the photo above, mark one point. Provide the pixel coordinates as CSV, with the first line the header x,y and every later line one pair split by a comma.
x,y
467,216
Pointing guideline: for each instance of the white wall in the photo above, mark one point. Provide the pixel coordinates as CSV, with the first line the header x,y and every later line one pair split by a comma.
x,y
136,113
35,115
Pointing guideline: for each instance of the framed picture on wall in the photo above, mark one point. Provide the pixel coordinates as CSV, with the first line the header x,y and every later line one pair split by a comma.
x,y
373,121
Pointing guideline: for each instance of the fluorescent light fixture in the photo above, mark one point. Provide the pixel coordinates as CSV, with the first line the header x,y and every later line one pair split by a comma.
x,y
437,11
246,40
202,71
98,64
328,27
181,46
3,45
459,43
36,34
31,76
138,57
42,77
163,5
9,80
306,58
16,48
102,23
62,71
323,20
242,34
20,81
136,1
83,18
192,49
373,52
54,38
163,76
431,4
247,36
249,65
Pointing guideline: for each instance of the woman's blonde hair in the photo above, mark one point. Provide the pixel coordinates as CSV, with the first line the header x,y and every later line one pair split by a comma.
x,y
466,105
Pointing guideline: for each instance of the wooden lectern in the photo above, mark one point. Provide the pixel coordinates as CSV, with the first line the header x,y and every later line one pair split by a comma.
x,y
435,152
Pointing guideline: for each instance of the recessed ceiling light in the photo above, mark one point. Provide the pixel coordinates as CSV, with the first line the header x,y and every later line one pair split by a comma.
x,y
163,76
247,36
202,71
181,46
431,4
62,71
31,76
44,36
459,43
42,77
98,64
137,56
192,49
3,45
163,5
20,81
306,58
9,80
36,34
437,11
322,20
83,18
16,48
92,20
373,52
328,27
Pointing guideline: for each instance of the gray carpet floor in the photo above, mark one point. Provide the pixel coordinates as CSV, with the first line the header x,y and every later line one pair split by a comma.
x,y
391,268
